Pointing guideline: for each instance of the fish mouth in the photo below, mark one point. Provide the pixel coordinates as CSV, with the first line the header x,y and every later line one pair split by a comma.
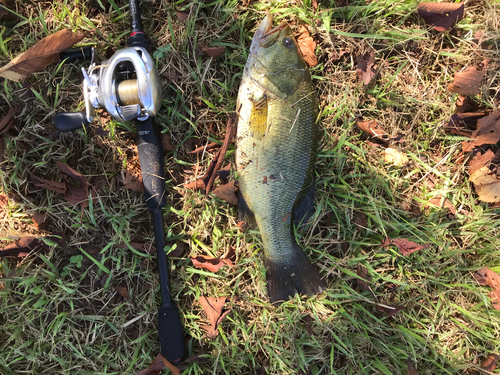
x,y
265,35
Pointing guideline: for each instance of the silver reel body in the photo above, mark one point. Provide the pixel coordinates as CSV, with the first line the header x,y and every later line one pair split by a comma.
x,y
108,86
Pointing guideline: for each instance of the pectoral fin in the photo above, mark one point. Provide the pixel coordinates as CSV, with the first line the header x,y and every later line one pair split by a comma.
x,y
258,117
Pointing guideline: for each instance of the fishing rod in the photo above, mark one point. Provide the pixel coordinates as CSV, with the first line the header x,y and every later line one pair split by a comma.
x,y
128,86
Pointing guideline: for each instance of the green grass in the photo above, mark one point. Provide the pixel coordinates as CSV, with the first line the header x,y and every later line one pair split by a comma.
x,y
59,310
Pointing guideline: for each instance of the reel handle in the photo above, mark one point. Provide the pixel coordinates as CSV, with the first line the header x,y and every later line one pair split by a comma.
x,y
69,121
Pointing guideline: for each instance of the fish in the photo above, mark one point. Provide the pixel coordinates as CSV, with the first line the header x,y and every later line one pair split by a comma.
x,y
276,143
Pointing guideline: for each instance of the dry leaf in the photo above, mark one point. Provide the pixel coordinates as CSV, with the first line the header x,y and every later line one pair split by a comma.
x,y
243,226
205,261
372,128
467,82
195,185
314,4
366,68
165,141
208,147
58,187
480,160
460,122
159,364
41,55
75,194
213,307
487,185
182,16
21,248
39,220
487,132
411,370
224,173
446,204
227,192
490,363
8,119
307,46
486,276
123,291
395,156
361,221
442,16
405,246
390,310
362,284
214,52
133,182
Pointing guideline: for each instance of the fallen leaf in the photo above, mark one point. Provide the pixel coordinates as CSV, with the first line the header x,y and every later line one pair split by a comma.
x,y
411,370
213,307
205,261
314,4
133,182
361,221
4,202
214,52
182,16
446,204
308,326
243,226
487,185
39,220
390,310
159,364
165,141
41,55
21,248
487,132
490,363
123,291
467,82
58,187
307,46
460,122
395,156
75,194
480,160
195,185
486,276
362,284
224,173
8,119
405,246
366,68
466,104
227,192
218,160
373,128
197,358
442,16
207,147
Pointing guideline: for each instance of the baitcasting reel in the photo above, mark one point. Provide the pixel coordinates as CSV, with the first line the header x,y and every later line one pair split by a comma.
x,y
127,86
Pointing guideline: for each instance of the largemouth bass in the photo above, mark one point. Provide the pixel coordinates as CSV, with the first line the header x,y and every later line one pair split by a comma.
x,y
275,155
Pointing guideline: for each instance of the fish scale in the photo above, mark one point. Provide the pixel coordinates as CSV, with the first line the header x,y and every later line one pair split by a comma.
x,y
275,154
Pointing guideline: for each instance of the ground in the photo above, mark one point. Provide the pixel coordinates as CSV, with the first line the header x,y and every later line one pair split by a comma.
x,y
61,313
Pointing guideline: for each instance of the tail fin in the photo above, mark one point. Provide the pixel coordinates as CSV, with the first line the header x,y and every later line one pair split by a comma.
x,y
287,277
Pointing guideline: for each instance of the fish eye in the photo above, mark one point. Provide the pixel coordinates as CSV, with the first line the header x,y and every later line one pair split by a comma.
x,y
288,42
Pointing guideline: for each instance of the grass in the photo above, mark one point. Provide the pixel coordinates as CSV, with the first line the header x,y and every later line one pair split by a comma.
x,y
59,310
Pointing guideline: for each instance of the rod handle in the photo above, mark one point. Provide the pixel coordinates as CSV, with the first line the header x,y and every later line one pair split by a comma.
x,y
69,121
76,54
170,333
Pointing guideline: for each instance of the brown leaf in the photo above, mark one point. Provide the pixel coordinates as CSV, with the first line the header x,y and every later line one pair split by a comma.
x,y
205,261
390,310
58,187
123,291
227,192
467,82
411,370
307,45
446,204
4,202
405,246
195,185
480,160
442,16
487,132
487,185
486,276
218,160
197,358
224,173
41,55
361,221
159,364
75,194
366,68
208,147
460,122
373,128
214,52
213,307
165,141
8,119
39,220
73,174
21,248
243,226
362,284
133,182
314,4
490,363
182,16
